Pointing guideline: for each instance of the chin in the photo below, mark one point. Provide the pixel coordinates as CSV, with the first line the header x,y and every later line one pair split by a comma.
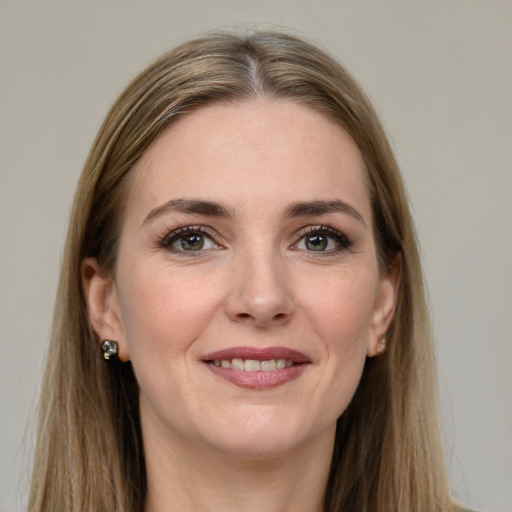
x,y
256,448
264,438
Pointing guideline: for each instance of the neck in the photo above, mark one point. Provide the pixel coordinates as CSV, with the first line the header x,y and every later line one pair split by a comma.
x,y
184,476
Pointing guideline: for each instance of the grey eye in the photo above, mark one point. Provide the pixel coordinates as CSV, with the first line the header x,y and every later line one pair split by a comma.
x,y
316,242
323,239
191,242
188,240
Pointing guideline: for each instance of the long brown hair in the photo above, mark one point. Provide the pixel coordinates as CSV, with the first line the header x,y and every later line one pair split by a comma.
x,y
89,454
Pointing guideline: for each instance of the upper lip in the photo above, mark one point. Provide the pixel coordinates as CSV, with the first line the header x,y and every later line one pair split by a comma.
x,y
258,354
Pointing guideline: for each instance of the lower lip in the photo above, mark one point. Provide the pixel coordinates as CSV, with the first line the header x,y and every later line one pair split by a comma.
x,y
258,379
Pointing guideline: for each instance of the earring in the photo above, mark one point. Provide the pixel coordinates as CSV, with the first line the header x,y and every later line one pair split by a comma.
x,y
110,349
381,347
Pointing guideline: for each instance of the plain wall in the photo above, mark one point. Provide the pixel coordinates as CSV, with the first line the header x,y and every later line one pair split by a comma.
x,y
440,74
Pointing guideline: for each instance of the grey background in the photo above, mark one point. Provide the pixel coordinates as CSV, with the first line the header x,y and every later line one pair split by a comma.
x,y
440,74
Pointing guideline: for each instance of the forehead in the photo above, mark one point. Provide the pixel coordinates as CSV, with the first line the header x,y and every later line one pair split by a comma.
x,y
260,152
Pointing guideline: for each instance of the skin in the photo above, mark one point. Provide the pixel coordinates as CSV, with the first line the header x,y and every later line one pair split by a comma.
x,y
259,282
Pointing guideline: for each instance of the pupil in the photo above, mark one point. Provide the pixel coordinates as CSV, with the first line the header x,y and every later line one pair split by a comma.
x,y
316,242
192,242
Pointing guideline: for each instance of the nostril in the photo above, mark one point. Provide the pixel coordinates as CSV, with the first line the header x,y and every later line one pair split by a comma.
x,y
276,317
260,307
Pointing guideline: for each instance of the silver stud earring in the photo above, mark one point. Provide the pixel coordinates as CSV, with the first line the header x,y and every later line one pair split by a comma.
x,y
110,349
381,347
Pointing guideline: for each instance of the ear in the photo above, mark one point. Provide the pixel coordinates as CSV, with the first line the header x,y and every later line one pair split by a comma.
x,y
385,303
103,305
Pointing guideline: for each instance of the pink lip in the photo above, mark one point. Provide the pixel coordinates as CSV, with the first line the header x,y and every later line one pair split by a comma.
x,y
258,380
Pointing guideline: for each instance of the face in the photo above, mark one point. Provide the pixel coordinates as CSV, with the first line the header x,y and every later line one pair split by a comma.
x,y
247,293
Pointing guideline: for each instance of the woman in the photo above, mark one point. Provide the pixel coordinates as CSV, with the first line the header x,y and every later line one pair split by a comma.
x,y
240,321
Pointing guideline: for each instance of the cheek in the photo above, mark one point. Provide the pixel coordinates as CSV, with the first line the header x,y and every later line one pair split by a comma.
x,y
341,317
340,309
163,314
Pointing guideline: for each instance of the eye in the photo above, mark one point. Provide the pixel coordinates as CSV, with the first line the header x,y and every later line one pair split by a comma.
x,y
189,240
323,239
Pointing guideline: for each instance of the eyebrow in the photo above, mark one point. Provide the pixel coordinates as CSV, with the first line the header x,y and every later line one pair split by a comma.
x,y
197,206
214,209
317,208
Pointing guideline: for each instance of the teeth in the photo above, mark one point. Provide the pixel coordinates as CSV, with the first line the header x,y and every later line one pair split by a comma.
x,y
253,365
237,364
268,366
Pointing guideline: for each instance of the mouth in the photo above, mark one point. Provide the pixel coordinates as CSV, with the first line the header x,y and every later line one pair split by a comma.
x,y
257,368
253,365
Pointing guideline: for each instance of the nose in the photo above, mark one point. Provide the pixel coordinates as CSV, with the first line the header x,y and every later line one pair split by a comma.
x,y
261,291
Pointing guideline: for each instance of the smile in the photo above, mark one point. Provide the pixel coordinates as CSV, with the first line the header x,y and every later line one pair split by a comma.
x,y
253,365
257,368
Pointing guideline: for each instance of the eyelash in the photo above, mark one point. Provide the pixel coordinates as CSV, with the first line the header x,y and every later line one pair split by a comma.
x,y
342,241
170,238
